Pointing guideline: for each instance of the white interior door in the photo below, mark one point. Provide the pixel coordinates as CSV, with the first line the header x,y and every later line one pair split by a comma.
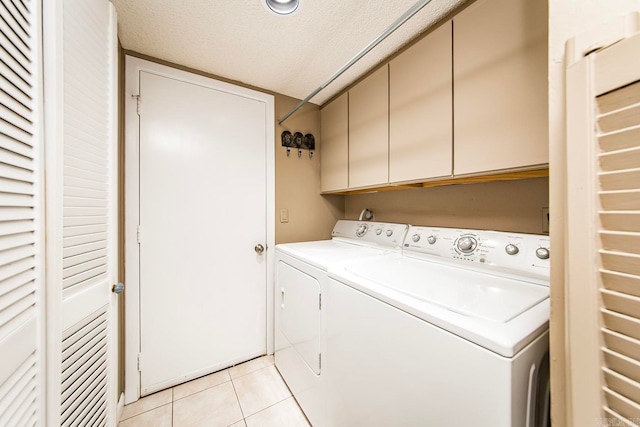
x,y
81,154
202,211
21,239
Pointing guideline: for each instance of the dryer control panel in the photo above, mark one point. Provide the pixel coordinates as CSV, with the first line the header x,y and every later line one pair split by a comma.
x,y
525,254
376,233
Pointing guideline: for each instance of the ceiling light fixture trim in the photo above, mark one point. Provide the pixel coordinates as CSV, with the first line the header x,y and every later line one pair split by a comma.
x,y
282,7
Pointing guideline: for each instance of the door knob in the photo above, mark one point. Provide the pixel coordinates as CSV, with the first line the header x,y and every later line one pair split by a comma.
x,y
259,249
118,288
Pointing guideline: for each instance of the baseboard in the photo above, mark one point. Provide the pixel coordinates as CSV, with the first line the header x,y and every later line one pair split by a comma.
x,y
120,408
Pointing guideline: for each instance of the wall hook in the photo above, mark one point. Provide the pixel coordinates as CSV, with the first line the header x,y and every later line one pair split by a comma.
x,y
299,141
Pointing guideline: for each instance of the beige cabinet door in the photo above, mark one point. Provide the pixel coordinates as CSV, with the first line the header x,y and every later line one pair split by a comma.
x,y
420,109
369,131
500,86
334,147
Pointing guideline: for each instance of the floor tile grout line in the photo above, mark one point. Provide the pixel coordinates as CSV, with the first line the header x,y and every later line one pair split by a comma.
x,y
231,379
200,391
290,396
250,372
144,412
273,404
238,399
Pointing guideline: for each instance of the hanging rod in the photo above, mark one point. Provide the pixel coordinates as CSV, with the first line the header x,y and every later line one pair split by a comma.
x,y
390,29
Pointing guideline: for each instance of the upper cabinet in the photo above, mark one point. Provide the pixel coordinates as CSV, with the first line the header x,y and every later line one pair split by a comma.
x,y
369,131
334,155
500,86
468,101
420,109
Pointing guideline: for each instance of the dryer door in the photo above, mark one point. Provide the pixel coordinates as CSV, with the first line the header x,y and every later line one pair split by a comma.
x,y
298,308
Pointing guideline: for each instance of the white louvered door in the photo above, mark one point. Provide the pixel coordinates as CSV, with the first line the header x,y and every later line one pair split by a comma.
x,y
82,215
21,284
603,261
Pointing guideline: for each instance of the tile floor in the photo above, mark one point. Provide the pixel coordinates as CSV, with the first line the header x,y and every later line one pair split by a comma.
x,y
246,395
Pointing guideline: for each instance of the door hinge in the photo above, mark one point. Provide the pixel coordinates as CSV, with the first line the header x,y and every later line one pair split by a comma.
x,y
319,360
138,102
139,362
319,301
138,234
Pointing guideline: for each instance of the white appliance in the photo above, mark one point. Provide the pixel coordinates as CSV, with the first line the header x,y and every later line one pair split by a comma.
x,y
299,316
452,332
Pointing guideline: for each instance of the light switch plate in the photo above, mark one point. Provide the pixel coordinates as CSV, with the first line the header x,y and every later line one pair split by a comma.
x,y
284,215
545,220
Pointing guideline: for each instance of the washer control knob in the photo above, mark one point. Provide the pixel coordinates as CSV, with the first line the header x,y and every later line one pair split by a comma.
x,y
415,238
361,230
378,231
389,233
431,239
467,244
542,253
511,249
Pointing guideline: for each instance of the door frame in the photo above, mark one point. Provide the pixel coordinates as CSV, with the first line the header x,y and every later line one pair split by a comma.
x,y
133,67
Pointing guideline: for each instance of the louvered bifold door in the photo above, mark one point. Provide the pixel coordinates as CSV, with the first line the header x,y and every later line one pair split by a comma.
x,y
618,185
88,247
611,185
21,352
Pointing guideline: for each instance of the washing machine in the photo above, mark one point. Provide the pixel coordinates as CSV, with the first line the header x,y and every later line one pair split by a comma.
x,y
300,281
453,331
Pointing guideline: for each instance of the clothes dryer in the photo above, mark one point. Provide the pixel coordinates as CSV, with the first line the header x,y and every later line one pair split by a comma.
x,y
301,276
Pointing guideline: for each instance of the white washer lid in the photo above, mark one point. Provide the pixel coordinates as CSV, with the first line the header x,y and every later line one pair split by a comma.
x,y
473,294
323,253
504,338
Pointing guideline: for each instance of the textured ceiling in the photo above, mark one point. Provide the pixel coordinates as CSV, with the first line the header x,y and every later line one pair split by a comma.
x,y
291,55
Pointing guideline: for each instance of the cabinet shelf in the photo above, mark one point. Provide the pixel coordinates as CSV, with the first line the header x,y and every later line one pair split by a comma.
x,y
461,180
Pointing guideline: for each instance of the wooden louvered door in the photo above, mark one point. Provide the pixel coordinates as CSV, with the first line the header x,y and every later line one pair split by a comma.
x,y
21,284
603,260
82,213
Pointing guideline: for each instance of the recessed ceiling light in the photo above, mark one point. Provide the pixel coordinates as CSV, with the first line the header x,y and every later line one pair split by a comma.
x,y
282,7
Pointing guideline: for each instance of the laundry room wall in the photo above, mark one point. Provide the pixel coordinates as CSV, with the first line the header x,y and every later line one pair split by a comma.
x,y
311,216
503,206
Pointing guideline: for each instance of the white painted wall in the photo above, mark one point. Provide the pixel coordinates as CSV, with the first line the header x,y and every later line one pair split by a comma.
x,y
567,18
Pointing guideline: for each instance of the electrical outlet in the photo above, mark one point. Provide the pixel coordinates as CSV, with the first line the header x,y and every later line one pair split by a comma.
x,y
545,220
284,215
